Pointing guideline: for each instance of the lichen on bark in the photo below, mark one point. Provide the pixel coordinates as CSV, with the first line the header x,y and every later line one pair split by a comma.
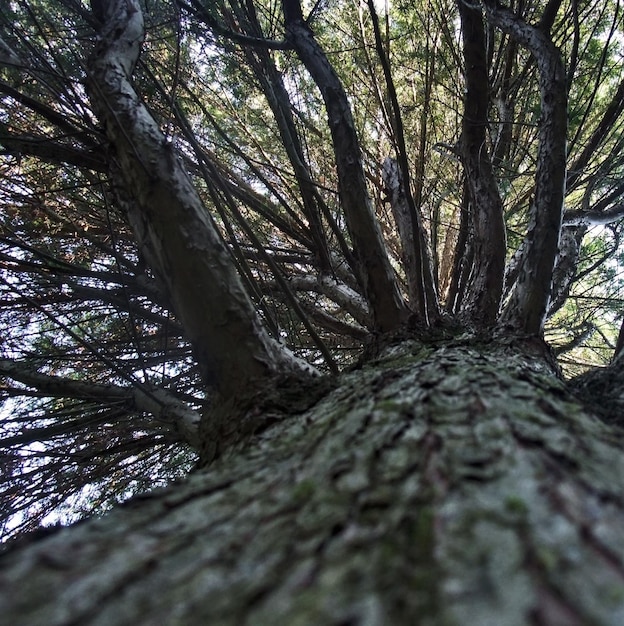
x,y
445,483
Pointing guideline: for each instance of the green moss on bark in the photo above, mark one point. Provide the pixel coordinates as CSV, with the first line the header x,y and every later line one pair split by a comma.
x,y
461,485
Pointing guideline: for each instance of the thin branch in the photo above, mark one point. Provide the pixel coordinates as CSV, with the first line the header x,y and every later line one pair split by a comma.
x,y
162,405
423,295
195,7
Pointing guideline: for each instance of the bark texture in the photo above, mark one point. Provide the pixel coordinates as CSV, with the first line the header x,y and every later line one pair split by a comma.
x,y
455,482
172,227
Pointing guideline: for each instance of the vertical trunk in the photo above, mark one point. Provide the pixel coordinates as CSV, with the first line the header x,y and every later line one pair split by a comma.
x,y
505,103
566,266
489,238
528,305
451,483
170,222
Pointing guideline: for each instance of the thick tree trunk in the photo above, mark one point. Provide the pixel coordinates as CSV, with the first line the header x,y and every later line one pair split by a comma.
x,y
448,483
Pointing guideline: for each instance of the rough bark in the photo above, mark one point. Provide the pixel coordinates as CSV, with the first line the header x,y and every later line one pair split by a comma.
x,y
488,223
603,386
455,482
171,224
566,266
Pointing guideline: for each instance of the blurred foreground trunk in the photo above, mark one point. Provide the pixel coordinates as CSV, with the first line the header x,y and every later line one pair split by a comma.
x,y
454,482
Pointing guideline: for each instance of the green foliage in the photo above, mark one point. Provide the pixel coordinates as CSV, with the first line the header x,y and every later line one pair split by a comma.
x,y
78,299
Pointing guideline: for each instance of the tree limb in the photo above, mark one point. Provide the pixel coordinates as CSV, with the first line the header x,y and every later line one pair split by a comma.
x,y
375,272
170,221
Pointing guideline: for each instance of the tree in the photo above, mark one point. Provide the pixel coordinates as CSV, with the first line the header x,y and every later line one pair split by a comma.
x,y
241,249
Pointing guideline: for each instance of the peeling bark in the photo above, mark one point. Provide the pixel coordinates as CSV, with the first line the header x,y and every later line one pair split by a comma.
x,y
443,483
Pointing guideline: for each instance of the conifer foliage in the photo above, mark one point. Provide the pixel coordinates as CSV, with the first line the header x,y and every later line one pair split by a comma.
x,y
210,208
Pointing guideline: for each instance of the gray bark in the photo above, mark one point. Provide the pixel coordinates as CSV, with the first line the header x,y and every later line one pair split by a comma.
x,y
566,266
398,196
455,482
170,222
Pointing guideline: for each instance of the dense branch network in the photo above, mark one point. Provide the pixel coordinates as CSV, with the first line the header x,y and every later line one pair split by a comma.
x,y
249,197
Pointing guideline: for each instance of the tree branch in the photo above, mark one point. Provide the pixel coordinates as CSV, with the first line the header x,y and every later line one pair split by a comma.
x,y
608,216
375,272
171,223
196,8
162,405
49,149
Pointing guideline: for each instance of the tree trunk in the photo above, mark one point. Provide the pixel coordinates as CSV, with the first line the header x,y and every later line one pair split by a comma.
x,y
527,308
488,222
455,482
